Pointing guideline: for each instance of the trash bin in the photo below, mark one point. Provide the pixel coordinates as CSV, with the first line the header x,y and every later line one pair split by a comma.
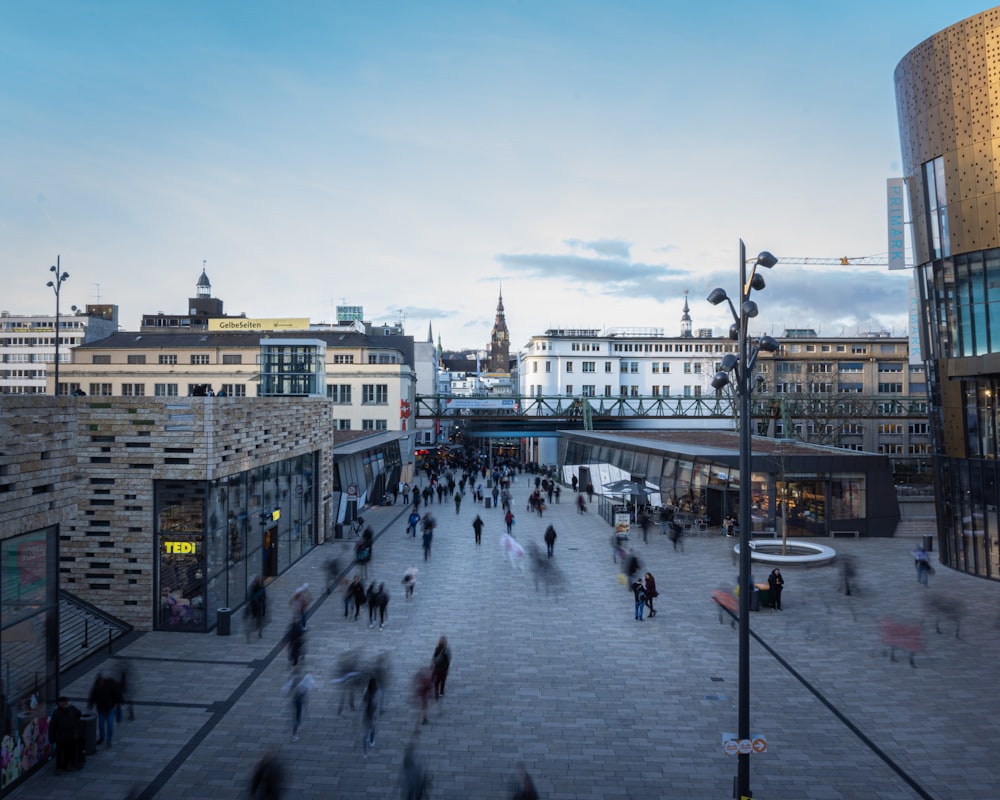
x,y
224,622
755,599
338,531
89,721
928,542
488,501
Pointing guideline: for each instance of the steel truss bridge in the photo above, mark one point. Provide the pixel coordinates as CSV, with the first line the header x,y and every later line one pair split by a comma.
x,y
609,412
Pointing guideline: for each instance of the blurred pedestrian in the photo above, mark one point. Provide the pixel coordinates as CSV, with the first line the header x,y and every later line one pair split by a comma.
x,y
410,581
372,599
370,702
550,540
126,686
632,566
441,664
358,596
415,780
257,607
590,492
428,535
295,641
382,600
458,501
349,675
922,562
297,690
525,786
775,583
423,687
300,601
268,779
848,571
363,551
477,527
581,504
644,526
508,519
411,524
333,568
104,698
677,535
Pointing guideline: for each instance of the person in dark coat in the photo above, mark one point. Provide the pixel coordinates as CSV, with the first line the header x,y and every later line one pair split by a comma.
x,y
441,663
105,696
268,780
550,540
477,526
66,732
651,593
774,584
258,606
357,592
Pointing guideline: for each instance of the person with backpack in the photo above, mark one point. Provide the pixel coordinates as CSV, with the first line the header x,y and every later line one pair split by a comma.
x,y
411,524
639,590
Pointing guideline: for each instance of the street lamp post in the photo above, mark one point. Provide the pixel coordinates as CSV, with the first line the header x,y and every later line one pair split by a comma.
x,y
59,277
741,367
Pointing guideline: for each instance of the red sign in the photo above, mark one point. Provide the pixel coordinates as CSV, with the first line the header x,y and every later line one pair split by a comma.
x,y
352,490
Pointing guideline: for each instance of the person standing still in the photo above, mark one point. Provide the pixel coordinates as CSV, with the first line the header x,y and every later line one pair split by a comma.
x,y
66,732
639,590
774,584
550,540
477,527
651,593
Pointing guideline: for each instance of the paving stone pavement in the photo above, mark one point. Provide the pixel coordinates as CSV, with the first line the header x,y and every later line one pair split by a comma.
x,y
594,703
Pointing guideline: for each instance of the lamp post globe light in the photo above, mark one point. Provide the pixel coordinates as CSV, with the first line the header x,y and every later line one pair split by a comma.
x,y
59,277
738,370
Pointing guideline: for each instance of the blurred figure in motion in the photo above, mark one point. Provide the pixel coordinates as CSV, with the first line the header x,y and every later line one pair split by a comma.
x,y
127,684
370,702
423,686
945,608
415,780
513,551
349,676
257,607
410,581
333,569
268,779
524,788
848,572
922,562
297,689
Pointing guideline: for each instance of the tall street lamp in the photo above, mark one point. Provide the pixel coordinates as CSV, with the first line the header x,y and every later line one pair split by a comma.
x,y
738,370
56,283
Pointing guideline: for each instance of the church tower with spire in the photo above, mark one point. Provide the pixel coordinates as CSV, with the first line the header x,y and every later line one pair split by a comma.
x,y
686,319
499,360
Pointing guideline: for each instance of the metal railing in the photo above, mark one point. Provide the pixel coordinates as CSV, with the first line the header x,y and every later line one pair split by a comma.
x,y
85,630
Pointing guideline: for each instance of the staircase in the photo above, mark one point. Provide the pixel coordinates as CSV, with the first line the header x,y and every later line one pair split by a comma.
x,y
84,630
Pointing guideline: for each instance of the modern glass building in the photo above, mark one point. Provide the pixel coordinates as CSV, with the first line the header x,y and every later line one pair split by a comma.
x,y
949,127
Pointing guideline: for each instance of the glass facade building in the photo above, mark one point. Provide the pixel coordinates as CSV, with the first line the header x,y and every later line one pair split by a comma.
x,y
947,108
214,537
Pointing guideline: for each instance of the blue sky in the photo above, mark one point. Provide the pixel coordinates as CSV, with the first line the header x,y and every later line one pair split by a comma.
x,y
597,158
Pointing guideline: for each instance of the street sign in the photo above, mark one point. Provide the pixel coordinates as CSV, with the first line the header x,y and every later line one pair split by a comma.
x,y
732,745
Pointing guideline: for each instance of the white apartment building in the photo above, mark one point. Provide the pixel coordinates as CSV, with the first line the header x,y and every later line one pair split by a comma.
x,y
620,363
28,344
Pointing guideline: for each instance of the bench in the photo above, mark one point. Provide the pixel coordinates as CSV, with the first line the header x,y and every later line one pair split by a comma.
x,y
855,534
769,533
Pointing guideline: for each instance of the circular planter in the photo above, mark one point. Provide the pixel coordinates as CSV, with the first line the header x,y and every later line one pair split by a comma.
x,y
804,553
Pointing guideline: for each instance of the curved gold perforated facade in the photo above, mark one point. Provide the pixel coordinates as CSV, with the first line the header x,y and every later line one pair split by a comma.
x,y
948,103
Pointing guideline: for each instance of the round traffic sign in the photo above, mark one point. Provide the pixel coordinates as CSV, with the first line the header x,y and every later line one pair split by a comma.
x,y
744,746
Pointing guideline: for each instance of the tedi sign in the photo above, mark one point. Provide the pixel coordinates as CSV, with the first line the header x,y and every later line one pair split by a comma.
x,y
180,548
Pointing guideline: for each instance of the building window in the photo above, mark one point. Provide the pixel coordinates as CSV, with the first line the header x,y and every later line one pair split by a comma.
x,y
697,368
137,359
890,428
233,390
569,389
343,424
890,449
890,388
920,428
534,366
98,359
623,391
165,390
656,391
589,366
634,391
687,367
656,367
232,359
858,349
607,390
588,390
375,394
548,366
821,367
168,359
133,390
569,366
634,367
339,392
343,359
199,359
936,209
367,424
607,366
100,389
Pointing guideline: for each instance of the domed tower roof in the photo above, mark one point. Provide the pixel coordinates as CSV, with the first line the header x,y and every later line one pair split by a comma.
x,y
204,286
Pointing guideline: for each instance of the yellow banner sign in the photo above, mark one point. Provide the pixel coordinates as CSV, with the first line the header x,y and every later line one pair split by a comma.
x,y
251,325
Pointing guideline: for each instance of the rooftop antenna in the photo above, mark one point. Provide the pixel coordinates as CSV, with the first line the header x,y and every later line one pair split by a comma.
x,y
98,293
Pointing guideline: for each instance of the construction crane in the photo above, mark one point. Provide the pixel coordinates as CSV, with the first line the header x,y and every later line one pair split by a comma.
x,y
880,260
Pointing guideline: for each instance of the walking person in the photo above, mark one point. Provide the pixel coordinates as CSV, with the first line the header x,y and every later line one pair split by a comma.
x,y
410,581
411,524
581,504
495,493
372,599
415,780
651,592
524,789
382,599
295,641
775,583
677,535
550,540
423,686
458,501
428,536
477,527
363,551
441,663
639,590
104,698
508,519
300,601
297,689
922,562
268,779
370,702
